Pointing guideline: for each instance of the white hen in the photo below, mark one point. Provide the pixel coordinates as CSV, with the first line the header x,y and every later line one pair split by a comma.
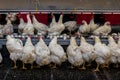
x,y
92,25
29,55
71,25
115,51
74,54
29,28
102,52
40,27
57,28
83,29
11,16
57,52
8,28
21,26
104,30
42,53
87,51
15,48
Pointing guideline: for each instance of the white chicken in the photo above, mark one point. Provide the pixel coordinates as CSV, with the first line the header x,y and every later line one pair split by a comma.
x,y
83,29
57,28
42,53
102,52
92,25
11,16
87,51
8,28
71,25
58,54
53,21
104,30
74,54
40,27
115,51
29,28
29,55
21,26
15,48
1,58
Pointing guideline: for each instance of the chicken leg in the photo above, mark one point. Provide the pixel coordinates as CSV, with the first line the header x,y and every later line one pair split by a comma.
x,y
71,67
54,66
97,68
50,65
105,66
38,66
23,67
117,65
31,65
14,67
89,64
0,65
83,67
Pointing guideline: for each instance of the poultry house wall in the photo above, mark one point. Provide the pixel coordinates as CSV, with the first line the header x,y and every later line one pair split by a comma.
x,y
113,18
86,17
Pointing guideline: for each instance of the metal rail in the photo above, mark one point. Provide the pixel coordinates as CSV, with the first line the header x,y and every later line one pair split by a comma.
x,y
61,41
63,11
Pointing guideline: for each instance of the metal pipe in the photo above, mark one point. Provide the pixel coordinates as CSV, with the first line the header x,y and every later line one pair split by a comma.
x,y
64,11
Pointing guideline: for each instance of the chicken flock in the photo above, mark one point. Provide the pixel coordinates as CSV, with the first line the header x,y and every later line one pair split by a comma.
x,y
54,54
33,26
